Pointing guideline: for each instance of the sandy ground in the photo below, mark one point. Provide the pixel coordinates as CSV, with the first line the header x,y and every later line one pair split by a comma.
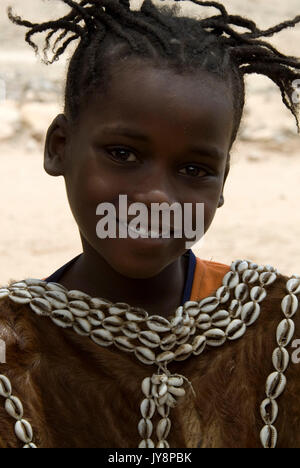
x,y
260,219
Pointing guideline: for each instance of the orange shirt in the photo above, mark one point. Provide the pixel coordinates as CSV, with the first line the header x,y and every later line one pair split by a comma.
x,y
207,278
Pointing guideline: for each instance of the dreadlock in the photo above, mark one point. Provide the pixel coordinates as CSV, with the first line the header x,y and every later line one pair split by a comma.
x,y
160,35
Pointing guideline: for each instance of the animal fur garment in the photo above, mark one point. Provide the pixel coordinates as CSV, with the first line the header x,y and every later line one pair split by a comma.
x,y
77,394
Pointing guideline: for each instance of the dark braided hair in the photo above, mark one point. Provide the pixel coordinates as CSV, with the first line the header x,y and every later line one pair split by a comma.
x,y
109,32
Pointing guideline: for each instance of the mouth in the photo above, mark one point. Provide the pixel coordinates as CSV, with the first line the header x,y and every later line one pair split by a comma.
x,y
147,233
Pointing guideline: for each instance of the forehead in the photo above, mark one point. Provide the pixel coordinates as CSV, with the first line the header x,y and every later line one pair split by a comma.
x,y
199,103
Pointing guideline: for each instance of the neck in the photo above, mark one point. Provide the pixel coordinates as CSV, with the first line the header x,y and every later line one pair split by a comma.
x,y
159,295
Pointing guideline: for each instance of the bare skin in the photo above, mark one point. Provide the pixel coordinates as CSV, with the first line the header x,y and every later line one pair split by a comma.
x,y
98,162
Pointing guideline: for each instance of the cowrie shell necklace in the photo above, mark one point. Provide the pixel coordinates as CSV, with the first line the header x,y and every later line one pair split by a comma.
x,y
158,341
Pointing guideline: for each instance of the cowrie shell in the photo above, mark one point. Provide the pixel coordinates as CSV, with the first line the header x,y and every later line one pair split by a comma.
x,y
231,279
267,278
35,282
136,315
235,309
146,386
280,359
208,304
275,384
293,285
95,317
175,381
222,294
20,296
113,323
235,329
199,343
183,352
203,322
131,329
250,276
144,355
285,332
250,313
14,407
289,305
124,343
192,308
79,308
23,431
57,299
163,410
239,265
118,309
268,436
269,411
41,306
163,428
37,291
30,446
171,401
5,386
62,317
102,337
220,319
165,356
4,293
258,294
55,287
168,341
241,292
149,338
145,428
147,408
97,303
158,324
179,392
146,443
82,326
215,337
162,444
75,295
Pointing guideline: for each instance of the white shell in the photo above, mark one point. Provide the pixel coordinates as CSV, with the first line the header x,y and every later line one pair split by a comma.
x,y
146,386
97,303
268,436
175,381
23,431
235,309
124,343
235,329
37,291
62,317
136,315
41,306
113,323
102,337
75,295
14,407
199,343
163,410
146,443
162,390
250,276
280,359
118,309
289,305
165,356
20,296
145,428
35,282
241,266
144,354
285,332
208,304
168,341
158,324
183,352
4,293
269,411
250,312
95,317
30,446
203,322
149,338
275,385
267,278
215,337
171,401
5,386
79,308
258,293
223,294
57,299
82,326
19,285
179,392
220,318
293,285
55,287
162,444
192,308
241,292
147,408
163,428
131,329
231,279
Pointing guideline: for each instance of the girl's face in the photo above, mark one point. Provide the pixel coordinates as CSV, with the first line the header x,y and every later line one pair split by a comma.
x,y
156,136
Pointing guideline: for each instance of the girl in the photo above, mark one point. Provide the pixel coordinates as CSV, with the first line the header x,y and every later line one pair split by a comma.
x,y
136,342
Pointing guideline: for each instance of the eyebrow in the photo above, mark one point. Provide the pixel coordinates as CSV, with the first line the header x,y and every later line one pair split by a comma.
x,y
204,150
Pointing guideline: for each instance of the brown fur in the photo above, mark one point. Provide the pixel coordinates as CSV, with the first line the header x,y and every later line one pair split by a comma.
x,y
77,394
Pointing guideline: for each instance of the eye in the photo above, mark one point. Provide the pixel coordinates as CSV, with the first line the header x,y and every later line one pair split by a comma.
x,y
122,155
194,171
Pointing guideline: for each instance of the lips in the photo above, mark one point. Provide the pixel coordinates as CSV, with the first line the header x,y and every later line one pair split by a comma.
x,y
144,230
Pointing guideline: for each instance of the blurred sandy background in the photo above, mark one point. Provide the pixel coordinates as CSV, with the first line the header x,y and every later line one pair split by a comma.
x,y
260,219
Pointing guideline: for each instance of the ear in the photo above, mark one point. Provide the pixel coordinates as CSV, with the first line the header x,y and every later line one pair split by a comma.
x,y
221,200
55,146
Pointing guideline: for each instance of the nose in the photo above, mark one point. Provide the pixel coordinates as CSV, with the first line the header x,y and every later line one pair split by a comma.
x,y
154,187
